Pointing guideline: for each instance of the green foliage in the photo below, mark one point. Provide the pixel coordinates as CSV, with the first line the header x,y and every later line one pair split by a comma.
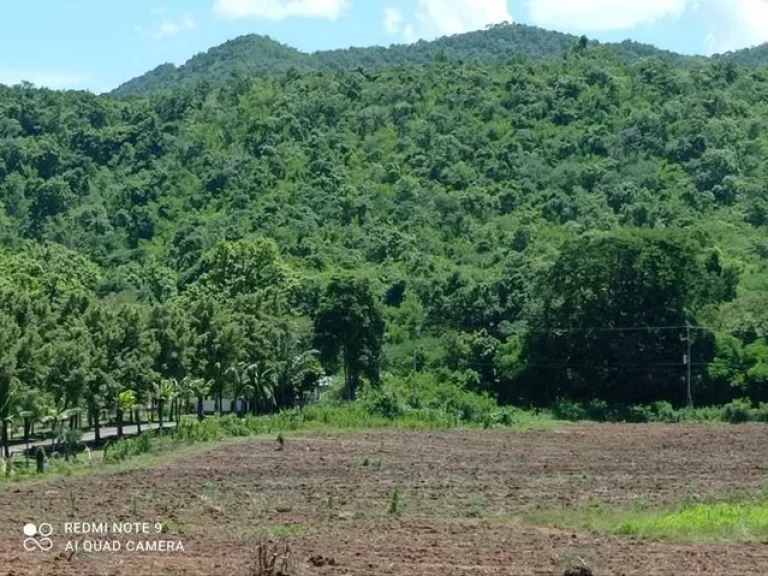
x,y
614,308
451,213
128,448
395,503
208,430
738,411
743,519
40,460
250,55
383,403
349,328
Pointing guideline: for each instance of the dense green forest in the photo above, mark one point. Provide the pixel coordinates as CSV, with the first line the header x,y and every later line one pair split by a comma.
x,y
534,229
260,55
253,54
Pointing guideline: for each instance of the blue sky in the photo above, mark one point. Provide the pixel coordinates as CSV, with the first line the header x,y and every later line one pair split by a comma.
x,y
98,44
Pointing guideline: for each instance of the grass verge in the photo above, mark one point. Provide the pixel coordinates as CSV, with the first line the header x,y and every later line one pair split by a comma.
x,y
742,519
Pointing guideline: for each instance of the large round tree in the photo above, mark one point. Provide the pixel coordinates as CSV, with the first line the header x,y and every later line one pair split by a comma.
x,y
612,322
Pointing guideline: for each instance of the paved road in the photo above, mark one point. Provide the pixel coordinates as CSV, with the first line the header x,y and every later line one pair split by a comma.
x,y
106,432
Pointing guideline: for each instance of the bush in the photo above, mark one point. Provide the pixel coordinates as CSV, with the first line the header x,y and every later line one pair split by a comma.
x,y
761,413
206,431
231,425
566,409
128,448
738,411
661,411
384,403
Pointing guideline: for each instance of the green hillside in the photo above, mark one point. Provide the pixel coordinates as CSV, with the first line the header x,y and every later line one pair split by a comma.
x,y
533,229
756,57
253,54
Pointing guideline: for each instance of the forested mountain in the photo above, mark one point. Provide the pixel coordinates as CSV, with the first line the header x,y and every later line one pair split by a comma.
x,y
457,219
755,57
253,54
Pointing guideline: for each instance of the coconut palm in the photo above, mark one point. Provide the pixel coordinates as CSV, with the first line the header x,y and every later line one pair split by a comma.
x,y
30,408
198,388
291,370
186,395
164,391
56,416
246,378
261,382
126,400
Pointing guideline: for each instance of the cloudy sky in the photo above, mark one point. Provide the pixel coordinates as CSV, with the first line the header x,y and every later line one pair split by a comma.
x,y
98,44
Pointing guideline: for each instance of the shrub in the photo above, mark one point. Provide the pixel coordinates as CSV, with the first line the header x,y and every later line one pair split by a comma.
x,y
40,459
761,414
566,409
738,411
206,431
664,412
383,403
231,425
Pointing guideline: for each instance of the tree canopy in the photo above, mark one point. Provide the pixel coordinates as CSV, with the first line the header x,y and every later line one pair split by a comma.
x,y
450,216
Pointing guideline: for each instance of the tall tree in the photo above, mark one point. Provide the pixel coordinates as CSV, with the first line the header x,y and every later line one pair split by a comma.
x,y
613,314
9,335
218,345
349,327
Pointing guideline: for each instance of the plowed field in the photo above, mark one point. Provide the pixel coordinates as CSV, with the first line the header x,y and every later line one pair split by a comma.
x,y
397,503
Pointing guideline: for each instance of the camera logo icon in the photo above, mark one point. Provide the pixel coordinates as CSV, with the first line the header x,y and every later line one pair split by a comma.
x,y
38,537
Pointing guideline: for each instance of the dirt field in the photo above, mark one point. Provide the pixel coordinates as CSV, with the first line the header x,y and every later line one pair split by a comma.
x,y
460,496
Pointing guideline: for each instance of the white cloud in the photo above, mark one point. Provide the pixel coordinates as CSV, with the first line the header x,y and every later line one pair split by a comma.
x,y
444,17
435,18
169,27
409,34
742,24
54,79
392,19
280,9
602,15
734,24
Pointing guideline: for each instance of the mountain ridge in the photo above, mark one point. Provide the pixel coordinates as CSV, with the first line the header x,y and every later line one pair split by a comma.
x,y
255,54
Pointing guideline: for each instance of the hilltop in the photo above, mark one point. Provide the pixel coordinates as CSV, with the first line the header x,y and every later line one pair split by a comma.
x,y
254,54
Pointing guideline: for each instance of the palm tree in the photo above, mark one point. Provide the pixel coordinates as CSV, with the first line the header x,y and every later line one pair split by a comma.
x,y
57,415
164,391
30,408
292,369
260,387
185,396
198,388
126,400
246,378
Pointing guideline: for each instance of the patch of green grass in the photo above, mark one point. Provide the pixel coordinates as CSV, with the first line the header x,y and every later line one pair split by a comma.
x,y
373,462
743,520
395,503
287,530
724,521
283,531
476,504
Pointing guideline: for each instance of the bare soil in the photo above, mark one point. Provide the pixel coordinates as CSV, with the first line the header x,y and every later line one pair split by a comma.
x,y
460,497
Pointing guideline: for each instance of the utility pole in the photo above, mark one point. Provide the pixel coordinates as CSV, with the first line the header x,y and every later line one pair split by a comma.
x,y
689,398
